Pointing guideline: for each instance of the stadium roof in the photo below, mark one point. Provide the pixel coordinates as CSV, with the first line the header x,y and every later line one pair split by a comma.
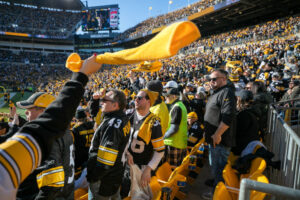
x,y
61,4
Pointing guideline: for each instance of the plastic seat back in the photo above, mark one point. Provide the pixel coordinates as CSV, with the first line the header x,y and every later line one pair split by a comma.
x,y
175,183
79,193
164,171
231,179
258,165
256,195
196,147
221,192
155,188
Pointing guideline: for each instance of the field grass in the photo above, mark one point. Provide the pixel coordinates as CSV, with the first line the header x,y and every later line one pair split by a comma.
x,y
17,97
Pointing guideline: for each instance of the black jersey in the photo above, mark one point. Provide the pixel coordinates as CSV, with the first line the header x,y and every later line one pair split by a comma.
x,y
195,134
83,134
146,137
55,177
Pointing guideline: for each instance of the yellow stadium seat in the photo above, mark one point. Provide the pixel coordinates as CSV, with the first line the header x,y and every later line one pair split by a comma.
x,y
232,158
256,195
163,172
196,147
175,183
258,165
79,193
231,179
155,188
84,197
221,192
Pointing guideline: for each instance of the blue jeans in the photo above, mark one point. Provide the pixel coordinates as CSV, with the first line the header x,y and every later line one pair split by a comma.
x,y
217,160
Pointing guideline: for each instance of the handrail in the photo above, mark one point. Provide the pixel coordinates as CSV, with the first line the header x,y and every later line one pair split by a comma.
x,y
277,190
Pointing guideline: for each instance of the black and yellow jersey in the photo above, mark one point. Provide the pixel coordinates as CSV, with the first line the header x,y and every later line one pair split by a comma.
x,y
55,177
195,134
107,146
145,138
83,134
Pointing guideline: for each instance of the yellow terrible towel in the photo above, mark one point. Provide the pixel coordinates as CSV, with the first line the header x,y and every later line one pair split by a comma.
x,y
165,44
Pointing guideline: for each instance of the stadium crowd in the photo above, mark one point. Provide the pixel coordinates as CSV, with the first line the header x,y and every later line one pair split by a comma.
x,y
228,81
37,21
162,20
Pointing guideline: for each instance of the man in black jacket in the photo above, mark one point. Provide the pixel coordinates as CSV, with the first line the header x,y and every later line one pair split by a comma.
x,y
219,122
55,177
105,168
33,142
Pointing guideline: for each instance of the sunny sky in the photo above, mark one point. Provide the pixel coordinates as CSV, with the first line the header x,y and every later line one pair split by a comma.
x,y
134,11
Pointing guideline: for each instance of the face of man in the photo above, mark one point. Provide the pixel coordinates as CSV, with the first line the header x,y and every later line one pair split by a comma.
x,y
291,85
191,121
33,113
141,103
108,104
217,80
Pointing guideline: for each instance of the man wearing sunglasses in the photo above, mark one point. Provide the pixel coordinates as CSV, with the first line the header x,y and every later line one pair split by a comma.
x,y
146,146
219,122
105,168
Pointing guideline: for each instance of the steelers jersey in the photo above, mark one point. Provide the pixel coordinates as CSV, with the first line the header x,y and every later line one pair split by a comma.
x,y
83,135
55,177
141,150
195,133
14,166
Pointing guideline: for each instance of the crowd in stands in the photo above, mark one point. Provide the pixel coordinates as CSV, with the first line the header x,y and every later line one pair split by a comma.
x,y
32,57
253,74
162,20
37,21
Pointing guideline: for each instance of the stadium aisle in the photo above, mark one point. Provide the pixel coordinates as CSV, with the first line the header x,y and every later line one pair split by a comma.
x,y
198,188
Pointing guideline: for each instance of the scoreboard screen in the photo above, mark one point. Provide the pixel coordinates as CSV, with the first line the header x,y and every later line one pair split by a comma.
x,y
100,18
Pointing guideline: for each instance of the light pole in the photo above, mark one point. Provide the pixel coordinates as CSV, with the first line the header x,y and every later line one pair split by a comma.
x,y
150,9
170,2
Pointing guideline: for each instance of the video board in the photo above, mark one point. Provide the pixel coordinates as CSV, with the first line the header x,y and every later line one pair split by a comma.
x,y
100,18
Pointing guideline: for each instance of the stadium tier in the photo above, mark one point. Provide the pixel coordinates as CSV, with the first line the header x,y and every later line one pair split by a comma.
x,y
224,110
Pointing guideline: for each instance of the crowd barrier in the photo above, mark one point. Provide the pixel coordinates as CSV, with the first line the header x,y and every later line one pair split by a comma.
x,y
283,140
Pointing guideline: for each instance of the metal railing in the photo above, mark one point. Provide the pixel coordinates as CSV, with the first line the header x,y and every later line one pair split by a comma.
x,y
277,190
283,140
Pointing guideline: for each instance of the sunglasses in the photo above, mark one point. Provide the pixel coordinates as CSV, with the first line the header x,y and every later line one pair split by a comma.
x,y
107,100
139,98
215,78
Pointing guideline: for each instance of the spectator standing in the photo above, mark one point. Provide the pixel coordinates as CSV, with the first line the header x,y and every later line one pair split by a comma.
x,y
175,138
146,146
219,123
105,168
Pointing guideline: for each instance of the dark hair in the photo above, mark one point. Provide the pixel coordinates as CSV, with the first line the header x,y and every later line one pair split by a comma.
x,y
258,87
222,71
119,97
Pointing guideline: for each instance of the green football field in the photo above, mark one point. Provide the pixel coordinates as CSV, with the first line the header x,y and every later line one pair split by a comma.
x,y
17,97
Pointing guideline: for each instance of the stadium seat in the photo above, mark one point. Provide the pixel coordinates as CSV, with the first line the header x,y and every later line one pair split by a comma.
x,y
163,172
255,195
258,165
231,179
196,147
221,192
80,193
177,181
155,188
232,158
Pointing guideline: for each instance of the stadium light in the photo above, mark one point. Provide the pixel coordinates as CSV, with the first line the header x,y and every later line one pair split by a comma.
x,y
150,9
170,2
